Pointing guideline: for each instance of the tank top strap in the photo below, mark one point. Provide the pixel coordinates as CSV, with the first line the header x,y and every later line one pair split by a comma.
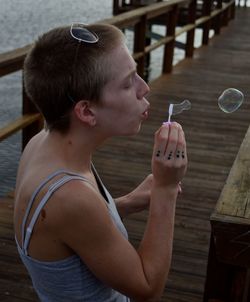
x,y
100,184
33,196
70,176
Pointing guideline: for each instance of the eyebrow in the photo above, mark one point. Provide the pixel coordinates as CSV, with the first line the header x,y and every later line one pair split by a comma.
x,y
131,72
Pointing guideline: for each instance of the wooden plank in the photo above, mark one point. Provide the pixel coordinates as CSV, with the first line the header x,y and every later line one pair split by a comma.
x,y
202,20
159,43
13,60
138,55
18,124
184,29
235,197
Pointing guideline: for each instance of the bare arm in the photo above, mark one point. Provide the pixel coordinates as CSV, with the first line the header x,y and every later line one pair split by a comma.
x,y
140,274
136,201
169,163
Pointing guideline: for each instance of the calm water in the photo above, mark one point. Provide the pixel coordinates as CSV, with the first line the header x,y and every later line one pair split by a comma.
x,y
23,20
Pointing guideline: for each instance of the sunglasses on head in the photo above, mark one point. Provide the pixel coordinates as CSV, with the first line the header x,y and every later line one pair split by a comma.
x,y
81,33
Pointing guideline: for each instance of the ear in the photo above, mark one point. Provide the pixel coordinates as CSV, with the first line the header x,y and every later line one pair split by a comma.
x,y
84,111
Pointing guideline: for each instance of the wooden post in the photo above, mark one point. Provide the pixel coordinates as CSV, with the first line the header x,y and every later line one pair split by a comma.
x,y
169,47
246,294
218,277
29,131
232,11
115,7
226,16
218,19
139,44
206,11
190,34
224,281
148,55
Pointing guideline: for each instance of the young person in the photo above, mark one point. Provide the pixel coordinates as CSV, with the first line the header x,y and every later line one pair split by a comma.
x,y
69,231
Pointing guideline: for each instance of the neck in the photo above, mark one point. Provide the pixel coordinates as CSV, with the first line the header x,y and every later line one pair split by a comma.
x,y
75,148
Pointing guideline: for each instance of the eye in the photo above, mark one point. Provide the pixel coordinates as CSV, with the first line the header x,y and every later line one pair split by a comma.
x,y
130,80
128,83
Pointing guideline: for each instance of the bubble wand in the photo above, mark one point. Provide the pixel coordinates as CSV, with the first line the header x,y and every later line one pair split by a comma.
x,y
174,109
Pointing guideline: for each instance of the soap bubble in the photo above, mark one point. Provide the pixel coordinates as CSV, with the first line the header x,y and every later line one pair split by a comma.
x,y
230,100
178,108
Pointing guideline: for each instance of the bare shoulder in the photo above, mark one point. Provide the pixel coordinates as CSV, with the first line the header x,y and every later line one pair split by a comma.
x,y
34,142
83,216
29,152
79,202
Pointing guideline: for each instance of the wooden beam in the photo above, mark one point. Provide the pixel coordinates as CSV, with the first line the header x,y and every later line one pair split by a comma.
x,y
159,43
234,199
184,29
18,124
12,61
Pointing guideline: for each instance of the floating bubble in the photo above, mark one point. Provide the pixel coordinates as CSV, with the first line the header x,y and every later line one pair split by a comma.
x,y
178,108
230,100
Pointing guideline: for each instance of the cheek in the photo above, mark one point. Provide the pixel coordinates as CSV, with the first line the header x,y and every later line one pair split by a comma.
x,y
120,105
120,108
127,113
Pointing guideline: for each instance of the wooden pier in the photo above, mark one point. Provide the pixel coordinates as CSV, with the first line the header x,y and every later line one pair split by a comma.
x,y
213,139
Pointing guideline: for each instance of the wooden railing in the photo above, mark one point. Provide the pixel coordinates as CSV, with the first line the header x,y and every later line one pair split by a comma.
x,y
229,253
140,20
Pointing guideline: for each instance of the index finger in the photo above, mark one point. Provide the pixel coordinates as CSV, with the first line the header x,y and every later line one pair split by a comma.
x,y
173,138
161,139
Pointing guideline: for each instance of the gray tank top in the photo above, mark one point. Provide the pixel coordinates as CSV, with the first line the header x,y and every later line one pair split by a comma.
x,y
66,280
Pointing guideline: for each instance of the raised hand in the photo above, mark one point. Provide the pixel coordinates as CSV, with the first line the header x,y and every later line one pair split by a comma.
x,y
169,160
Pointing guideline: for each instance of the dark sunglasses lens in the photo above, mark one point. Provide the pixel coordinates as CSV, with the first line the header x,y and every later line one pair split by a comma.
x,y
84,34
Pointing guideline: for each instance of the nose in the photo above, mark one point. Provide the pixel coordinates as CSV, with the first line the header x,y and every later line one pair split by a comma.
x,y
143,88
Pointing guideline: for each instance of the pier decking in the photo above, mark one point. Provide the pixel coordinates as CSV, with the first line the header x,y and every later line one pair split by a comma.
x,y
213,139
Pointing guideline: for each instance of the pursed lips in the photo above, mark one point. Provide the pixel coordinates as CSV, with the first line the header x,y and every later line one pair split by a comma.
x,y
146,113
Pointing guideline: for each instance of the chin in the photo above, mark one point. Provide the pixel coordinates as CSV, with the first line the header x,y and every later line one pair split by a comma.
x,y
129,130
134,131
